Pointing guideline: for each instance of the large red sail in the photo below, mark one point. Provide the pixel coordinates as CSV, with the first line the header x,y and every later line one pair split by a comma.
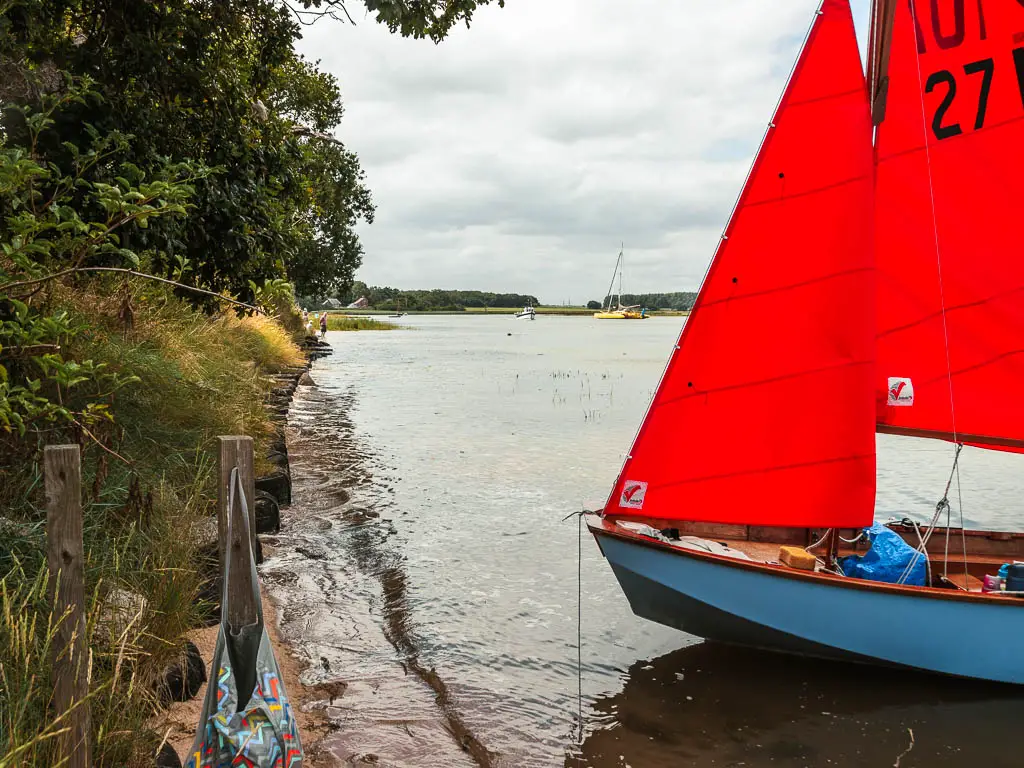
x,y
764,414
950,165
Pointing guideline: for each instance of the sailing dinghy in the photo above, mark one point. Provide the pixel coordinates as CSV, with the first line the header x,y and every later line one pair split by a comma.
x,y
869,280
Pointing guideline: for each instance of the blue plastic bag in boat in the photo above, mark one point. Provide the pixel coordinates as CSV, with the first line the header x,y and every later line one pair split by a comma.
x,y
887,559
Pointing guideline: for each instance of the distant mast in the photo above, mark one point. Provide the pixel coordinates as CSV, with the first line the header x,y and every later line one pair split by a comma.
x,y
622,268
611,285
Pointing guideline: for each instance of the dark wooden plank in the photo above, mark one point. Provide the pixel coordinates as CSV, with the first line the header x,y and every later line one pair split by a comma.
x,y
66,561
237,451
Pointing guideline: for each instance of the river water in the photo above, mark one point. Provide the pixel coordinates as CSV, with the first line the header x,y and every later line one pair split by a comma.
x,y
425,564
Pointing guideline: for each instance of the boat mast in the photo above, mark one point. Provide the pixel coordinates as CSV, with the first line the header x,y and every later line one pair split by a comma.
x,y
611,285
621,268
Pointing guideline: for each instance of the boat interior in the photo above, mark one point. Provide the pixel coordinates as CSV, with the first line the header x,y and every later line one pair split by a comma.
x,y
958,559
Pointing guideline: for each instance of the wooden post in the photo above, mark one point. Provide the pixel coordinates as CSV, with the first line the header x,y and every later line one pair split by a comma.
x,y
237,451
833,549
66,560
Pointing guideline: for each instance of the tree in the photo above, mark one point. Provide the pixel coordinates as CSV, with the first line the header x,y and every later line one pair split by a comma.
x,y
593,305
219,84
432,19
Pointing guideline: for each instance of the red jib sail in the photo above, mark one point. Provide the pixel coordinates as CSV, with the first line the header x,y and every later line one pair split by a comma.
x,y
764,414
948,227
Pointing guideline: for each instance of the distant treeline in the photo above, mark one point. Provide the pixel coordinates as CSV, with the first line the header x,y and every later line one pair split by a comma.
x,y
435,300
678,301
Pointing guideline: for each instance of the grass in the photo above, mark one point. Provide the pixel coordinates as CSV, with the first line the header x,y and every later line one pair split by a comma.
x,y
198,376
345,323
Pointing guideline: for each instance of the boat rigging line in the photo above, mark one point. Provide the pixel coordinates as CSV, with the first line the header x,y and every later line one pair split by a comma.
x,y
945,335
930,528
579,622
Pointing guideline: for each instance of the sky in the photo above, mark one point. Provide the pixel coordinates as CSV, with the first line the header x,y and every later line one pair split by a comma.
x,y
519,154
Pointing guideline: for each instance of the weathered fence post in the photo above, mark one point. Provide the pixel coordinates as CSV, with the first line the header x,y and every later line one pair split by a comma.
x,y
66,560
237,451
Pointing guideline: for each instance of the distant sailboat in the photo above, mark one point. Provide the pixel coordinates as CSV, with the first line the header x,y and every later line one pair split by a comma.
x,y
619,312
862,285
399,312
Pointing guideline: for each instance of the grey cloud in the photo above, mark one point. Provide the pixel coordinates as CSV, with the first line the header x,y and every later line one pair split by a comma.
x,y
518,154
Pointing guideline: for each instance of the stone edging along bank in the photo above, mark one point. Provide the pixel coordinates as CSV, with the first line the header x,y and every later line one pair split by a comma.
x,y
185,680
274,490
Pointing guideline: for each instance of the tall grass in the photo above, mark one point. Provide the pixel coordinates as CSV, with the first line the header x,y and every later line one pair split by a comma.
x,y
149,495
344,323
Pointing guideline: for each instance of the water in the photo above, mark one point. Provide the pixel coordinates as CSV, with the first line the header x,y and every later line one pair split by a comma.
x,y
426,564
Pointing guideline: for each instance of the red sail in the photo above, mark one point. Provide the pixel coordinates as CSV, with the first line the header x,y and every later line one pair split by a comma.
x,y
764,414
948,224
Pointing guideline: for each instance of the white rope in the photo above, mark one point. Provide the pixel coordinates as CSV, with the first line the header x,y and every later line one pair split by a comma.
x,y
820,541
922,547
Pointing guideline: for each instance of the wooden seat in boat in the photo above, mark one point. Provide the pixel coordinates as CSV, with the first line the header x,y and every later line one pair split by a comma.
x,y
963,581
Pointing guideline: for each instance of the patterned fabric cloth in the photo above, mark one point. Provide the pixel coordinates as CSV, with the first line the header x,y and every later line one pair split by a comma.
x,y
259,732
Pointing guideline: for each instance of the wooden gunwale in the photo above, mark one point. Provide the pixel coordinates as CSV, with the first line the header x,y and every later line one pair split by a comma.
x,y
607,527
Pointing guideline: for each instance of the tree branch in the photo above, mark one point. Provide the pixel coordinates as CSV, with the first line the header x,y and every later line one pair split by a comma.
x,y
28,351
22,283
315,15
301,130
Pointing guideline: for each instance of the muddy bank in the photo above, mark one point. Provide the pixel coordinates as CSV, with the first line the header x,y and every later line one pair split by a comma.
x,y
340,586
273,491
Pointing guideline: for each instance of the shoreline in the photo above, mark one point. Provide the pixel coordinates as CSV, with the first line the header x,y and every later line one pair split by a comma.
x,y
179,720
503,312
369,696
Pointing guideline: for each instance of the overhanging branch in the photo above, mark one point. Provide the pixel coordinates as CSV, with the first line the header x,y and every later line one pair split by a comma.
x,y
63,273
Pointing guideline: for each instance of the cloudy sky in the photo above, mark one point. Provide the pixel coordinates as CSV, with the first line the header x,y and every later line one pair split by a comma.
x,y
518,154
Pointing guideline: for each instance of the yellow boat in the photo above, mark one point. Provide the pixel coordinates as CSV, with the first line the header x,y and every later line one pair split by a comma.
x,y
620,312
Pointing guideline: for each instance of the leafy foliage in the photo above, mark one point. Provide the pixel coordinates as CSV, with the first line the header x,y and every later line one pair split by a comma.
x,y
218,84
45,232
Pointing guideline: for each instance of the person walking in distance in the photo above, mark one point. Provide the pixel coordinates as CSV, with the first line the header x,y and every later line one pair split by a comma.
x,y
323,324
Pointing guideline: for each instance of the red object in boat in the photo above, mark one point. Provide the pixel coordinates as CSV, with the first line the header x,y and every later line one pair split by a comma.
x,y
950,270
765,412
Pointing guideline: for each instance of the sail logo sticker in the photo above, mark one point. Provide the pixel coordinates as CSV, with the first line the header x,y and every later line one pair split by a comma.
x,y
633,495
901,391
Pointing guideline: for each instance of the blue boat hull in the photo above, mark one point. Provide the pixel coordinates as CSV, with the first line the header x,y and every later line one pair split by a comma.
x,y
715,599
